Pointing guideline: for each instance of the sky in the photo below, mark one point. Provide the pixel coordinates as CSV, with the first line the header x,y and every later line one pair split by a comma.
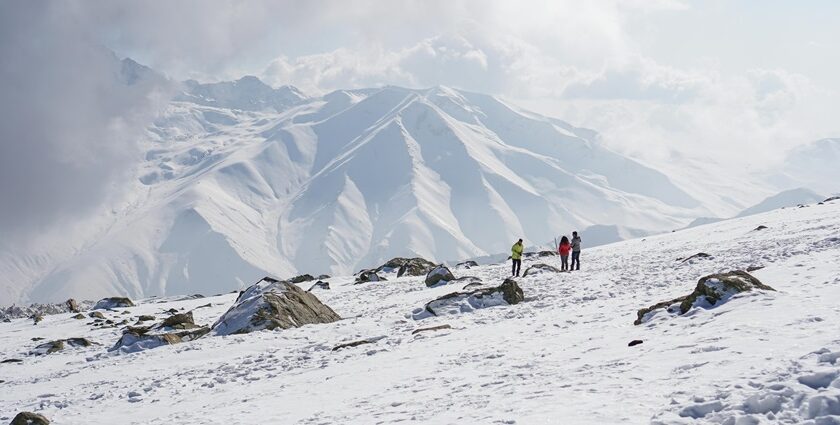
x,y
661,80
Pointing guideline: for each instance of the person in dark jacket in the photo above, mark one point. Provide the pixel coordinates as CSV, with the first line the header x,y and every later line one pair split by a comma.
x,y
516,256
575,251
564,249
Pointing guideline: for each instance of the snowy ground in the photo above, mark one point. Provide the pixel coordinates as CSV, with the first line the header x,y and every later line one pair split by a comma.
x,y
559,357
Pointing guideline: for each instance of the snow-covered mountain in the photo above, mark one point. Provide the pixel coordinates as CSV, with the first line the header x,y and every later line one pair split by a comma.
x,y
783,199
815,165
241,179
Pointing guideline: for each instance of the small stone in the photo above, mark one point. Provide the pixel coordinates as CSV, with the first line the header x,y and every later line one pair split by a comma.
x,y
78,316
635,342
96,315
433,328
145,318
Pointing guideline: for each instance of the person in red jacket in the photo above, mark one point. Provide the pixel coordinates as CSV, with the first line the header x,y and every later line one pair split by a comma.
x,y
564,249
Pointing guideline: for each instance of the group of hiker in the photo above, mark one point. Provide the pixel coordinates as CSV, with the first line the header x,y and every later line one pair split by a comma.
x,y
565,247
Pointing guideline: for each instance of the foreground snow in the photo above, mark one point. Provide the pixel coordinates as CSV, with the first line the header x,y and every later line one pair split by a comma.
x,y
560,356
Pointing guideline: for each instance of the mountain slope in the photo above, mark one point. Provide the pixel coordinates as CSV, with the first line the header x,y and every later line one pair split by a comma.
x,y
242,175
561,355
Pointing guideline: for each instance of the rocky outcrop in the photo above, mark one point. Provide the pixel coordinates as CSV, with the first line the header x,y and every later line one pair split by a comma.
x,y
302,278
113,302
179,321
29,418
439,275
695,257
415,267
507,293
368,276
711,290
467,264
72,306
271,304
320,285
406,266
357,343
540,268
58,345
141,338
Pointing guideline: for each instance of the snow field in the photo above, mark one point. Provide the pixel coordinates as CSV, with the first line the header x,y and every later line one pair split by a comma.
x,y
561,356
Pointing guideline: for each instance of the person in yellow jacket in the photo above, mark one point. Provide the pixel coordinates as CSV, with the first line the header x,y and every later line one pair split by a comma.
x,y
516,256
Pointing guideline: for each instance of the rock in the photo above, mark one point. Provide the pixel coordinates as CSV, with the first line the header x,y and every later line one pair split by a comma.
x,y
368,276
79,316
302,278
391,265
204,306
507,293
472,285
272,304
321,285
58,345
29,418
356,343
546,253
540,268
145,318
415,267
762,227
72,305
710,291
698,256
12,361
433,328
132,342
179,321
37,319
467,264
96,315
36,338
754,268
635,342
323,277
833,198
439,275
113,302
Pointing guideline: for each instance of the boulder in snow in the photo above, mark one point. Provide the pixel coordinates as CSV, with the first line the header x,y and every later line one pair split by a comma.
x,y
58,345
507,293
113,302
698,256
439,275
29,418
179,321
407,266
272,304
320,285
415,267
368,276
467,264
540,268
72,305
711,290
302,278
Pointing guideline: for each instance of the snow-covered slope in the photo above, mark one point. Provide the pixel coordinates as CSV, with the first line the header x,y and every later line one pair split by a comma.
x,y
240,179
786,198
561,356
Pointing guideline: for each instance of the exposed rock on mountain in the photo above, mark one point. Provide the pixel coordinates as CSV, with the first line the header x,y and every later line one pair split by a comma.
x,y
113,302
439,275
711,291
271,304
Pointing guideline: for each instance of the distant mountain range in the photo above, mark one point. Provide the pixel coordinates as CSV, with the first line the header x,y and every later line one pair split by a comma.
x,y
240,180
